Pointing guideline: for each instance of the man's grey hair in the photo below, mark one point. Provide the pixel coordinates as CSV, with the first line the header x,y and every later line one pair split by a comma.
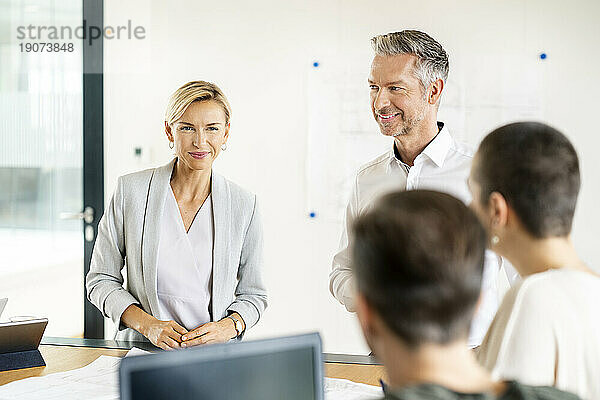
x,y
432,60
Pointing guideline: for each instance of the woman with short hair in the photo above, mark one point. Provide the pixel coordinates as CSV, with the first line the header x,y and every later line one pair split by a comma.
x,y
525,181
191,239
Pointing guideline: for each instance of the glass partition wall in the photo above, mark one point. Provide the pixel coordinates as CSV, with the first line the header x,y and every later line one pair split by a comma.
x,y
41,165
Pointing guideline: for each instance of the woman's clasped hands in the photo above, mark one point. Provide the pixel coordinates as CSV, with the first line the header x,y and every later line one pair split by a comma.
x,y
169,335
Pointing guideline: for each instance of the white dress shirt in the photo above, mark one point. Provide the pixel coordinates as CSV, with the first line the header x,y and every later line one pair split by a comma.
x,y
443,166
184,265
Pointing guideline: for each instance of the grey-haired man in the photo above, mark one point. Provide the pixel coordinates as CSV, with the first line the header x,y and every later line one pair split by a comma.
x,y
408,75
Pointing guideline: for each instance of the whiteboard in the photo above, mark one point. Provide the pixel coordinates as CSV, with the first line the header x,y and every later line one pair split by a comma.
x,y
342,135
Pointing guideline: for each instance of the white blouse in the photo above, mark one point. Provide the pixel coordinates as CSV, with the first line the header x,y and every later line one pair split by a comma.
x,y
184,265
546,333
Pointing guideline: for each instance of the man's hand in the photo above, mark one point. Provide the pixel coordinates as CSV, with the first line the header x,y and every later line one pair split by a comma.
x,y
211,332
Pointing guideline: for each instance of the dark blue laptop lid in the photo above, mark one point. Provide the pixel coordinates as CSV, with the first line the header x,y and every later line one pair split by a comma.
x,y
282,368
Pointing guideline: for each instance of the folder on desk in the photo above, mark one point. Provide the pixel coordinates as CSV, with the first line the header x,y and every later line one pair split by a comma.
x,y
19,343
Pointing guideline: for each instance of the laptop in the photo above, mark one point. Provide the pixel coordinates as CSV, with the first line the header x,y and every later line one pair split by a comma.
x,y
21,335
19,341
288,368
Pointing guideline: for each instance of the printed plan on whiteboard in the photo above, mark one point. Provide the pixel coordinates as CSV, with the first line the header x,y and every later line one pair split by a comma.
x,y
342,134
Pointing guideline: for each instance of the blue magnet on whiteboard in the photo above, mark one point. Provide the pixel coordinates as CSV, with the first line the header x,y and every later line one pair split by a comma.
x,y
543,56
312,214
316,64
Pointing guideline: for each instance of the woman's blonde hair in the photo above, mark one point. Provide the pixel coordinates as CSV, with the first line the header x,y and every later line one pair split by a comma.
x,y
191,92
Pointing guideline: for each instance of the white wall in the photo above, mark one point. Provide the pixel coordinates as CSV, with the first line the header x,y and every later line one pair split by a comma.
x,y
259,52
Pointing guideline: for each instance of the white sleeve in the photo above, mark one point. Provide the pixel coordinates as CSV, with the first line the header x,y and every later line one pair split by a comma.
x,y
341,281
488,302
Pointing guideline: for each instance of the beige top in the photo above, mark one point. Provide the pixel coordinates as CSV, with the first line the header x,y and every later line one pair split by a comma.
x,y
547,332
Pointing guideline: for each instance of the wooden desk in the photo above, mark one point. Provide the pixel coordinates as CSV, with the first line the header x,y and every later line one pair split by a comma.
x,y
61,358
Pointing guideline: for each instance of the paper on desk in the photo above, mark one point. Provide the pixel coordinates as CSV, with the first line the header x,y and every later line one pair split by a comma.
x,y
98,380
343,389
136,351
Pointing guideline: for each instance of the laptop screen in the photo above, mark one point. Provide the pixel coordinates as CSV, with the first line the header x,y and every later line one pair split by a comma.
x,y
263,374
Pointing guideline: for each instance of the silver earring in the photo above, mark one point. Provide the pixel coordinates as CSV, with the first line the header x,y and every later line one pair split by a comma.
x,y
495,240
224,146
171,145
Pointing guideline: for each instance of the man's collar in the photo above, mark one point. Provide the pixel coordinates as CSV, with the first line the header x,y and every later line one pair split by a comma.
x,y
439,146
437,149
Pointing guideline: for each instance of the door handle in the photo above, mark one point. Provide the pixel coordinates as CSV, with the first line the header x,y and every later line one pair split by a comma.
x,y
87,215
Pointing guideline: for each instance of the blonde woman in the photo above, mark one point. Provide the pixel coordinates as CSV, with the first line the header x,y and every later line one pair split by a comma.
x,y
190,239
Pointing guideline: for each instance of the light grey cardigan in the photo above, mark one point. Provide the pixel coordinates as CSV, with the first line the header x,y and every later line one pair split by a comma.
x,y
128,234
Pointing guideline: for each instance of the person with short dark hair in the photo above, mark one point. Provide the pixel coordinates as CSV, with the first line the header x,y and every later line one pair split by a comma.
x,y
525,182
418,258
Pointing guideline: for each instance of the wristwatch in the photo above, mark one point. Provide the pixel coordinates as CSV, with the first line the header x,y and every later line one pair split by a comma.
x,y
237,324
